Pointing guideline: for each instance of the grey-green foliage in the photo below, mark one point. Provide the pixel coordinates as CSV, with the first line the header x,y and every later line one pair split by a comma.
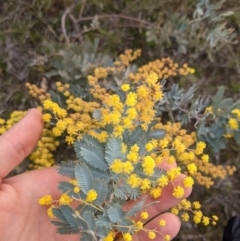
x,y
67,169
113,150
182,105
214,126
74,62
210,127
84,177
92,172
205,29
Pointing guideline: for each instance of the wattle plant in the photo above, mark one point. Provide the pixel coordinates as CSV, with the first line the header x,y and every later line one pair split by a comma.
x,y
117,161
120,128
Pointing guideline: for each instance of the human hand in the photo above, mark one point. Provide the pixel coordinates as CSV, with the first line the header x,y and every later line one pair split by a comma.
x,y
21,216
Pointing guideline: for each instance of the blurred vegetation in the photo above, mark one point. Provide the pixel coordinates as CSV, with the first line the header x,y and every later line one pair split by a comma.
x,y
46,40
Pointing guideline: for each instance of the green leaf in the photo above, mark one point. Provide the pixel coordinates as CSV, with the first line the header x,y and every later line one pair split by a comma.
x,y
103,221
66,187
67,169
125,226
56,98
89,218
94,157
103,175
97,114
115,213
237,137
58,214
218,97
90,141
59,224
84,178
142,146
136,134
102,231
158,172
156,134
69,230
83,208
226,103
109,128
68,213
113,149
87,142
135,193
121,191
136,208
102,190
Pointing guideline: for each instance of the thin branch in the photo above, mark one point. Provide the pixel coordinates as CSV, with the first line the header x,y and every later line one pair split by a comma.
x,y
63,20
88,18
82,8
76,27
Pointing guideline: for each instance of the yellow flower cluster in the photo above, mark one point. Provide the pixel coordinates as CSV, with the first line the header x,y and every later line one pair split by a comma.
x,y
91,195
65,199
50,211
36,92
140,104
127,57
43,155
185,207
46,200
234,120
190,155
14,118
164,68
110,237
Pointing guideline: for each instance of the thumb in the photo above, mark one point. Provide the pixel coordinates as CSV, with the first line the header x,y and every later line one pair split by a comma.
x,y
17,143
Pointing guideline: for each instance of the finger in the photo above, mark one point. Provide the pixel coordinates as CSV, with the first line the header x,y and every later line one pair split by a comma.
x,y
171,228
166,166
17,143
167,200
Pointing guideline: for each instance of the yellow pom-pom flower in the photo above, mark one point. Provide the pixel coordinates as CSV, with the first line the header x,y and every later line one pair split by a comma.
x,y
125,87
178,192
188,182
162,222
144,215
46,200
91,195
151,235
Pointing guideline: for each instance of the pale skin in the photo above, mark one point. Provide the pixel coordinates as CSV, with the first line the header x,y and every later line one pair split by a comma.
x,y
21,217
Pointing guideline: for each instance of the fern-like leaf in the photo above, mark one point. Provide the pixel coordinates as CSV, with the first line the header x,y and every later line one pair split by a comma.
x,y
103,221
68,213
103,175
89,218
136,208
113,150
94,157
135,193
84,178
115,213
69,230
102,190
67,169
